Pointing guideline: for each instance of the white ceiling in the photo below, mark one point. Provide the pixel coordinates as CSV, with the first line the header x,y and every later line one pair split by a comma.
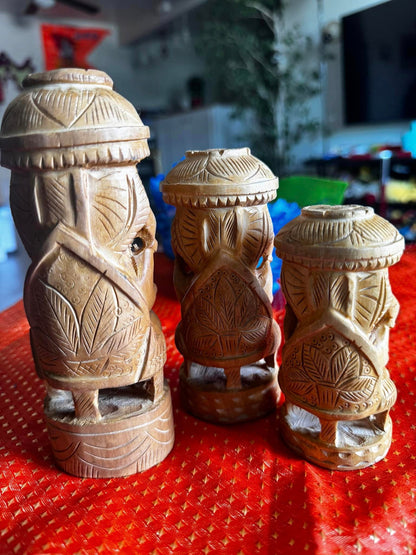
x,y
134,18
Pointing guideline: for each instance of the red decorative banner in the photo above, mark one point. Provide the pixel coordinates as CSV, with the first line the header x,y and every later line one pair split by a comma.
x,y
69,46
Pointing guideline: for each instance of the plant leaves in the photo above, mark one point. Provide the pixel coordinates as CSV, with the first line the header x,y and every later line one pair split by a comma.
x,y
345,365
359,389
258,333
224,300
246,309
206,315
58,319
99,316
126,340
315,364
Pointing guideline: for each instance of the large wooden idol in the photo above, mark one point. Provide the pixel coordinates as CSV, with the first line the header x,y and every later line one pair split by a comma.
x,y
72,144
340,307
222,236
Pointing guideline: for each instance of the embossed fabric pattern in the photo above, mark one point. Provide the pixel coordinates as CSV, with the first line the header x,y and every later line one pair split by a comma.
x,y
223,489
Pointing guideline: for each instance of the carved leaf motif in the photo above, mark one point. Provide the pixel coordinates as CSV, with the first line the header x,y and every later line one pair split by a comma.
x,y
47,352
59,319
344,365
258,333
301,388
208,344
246,309
225,301
207,315
315,364
358,389
120,343
99,317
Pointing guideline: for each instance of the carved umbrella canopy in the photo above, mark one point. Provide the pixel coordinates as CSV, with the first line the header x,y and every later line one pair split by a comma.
x,y
222,236
340,308
72,144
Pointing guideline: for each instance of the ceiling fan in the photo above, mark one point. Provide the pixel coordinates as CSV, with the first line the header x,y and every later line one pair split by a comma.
x,y
35,5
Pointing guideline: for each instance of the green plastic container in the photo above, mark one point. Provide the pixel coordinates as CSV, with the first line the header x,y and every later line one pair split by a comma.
x,y
306,190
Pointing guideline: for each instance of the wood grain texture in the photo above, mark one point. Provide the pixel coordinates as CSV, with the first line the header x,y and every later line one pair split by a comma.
x,y
340,307
72,144
223,239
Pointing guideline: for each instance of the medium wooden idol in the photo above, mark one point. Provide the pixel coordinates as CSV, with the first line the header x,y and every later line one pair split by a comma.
x,y
222,236
339,310
80,208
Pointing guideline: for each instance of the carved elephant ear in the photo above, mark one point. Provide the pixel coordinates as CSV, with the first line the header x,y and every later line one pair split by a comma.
x,y
25,216
257,242
118,211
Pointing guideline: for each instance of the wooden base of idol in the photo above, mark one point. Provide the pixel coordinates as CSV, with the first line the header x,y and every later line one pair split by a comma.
x,y
133,434
73,144
208,394
340,307
222,237
354,444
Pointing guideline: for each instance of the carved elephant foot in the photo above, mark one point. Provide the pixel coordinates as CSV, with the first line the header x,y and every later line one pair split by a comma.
x,y
225,397
337,445
132,434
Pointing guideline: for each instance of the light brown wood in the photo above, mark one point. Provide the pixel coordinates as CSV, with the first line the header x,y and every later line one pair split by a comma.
x,y
222,236
339,310
72,144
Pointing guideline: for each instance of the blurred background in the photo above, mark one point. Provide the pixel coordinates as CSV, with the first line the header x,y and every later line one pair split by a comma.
x,y
321,90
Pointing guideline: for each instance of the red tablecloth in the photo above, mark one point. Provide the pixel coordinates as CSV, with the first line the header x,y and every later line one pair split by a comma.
x,y
235,489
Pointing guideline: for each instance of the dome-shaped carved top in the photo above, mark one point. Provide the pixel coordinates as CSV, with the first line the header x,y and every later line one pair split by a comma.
x,y
348,237
68,108
219,177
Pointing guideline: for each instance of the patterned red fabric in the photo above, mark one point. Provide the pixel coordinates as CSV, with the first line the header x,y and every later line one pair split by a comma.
x,y
235,489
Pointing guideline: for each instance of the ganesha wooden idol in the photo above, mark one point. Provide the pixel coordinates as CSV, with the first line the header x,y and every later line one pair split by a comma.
x,y
340,307
222,237
72,144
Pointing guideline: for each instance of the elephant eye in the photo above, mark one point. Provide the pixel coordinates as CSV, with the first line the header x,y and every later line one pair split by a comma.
x,y
137,245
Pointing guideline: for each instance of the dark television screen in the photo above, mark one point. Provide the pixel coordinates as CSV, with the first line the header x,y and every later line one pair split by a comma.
x,y
379,51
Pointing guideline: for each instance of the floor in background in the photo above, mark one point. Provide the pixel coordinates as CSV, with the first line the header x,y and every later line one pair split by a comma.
x,y
12,278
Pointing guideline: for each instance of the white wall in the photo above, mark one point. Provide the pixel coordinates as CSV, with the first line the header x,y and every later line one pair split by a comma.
x,y
305,14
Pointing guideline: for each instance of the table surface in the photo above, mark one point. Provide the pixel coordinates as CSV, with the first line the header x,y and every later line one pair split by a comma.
x,y
235,489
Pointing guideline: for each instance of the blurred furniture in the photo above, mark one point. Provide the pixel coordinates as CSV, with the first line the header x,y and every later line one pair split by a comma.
x,y
369,178
209,127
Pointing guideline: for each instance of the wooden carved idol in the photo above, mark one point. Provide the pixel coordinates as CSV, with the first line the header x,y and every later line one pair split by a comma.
x,y
340,307
72,144
222,236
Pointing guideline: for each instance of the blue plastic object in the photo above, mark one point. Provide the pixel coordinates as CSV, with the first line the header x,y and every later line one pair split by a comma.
x,y
281,212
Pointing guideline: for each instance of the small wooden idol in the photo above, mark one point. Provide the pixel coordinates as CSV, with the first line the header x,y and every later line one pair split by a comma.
x,y
222,236
339,310
72,144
